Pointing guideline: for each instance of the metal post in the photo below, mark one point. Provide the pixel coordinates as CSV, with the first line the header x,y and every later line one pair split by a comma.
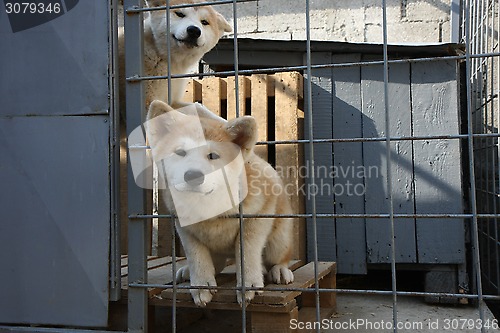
x,y
310,144
389,166
115,276
137,229
475,238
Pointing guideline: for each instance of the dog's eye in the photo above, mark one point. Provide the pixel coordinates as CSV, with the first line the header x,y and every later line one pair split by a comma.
x,y
180,14
205,22
213,156
180,152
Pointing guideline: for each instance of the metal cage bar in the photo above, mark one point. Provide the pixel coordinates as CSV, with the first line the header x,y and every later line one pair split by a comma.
x,y
472,179
480,54
485,105
137,230
315,66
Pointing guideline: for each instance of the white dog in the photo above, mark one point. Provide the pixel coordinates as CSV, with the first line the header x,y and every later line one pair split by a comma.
x,y
193,32
191,151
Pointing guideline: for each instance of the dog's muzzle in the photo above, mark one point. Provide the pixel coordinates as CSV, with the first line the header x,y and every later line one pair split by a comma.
x,y
193,33
194,177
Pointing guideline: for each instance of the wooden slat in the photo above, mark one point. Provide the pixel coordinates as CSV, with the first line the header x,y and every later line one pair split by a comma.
x,y
270,85
438,176
151,259
159,272
347,123
287,128
212,93
123,260
189,94
321,89
326,299
213,305
152,262
260,109
244,92
378,234
193,91
304,278
226,279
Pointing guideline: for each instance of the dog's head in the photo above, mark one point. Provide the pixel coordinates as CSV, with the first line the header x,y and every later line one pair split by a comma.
x,y
202,160
195,28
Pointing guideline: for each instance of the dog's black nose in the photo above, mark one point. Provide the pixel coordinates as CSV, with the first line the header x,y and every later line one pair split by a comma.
x,y
194,177
193,32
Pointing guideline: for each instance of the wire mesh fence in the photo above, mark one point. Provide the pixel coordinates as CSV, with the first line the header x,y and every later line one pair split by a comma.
x,y
477,137
481,34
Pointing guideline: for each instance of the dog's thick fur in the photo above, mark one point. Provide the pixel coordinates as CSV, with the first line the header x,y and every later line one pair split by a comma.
x,y
267,241
193,32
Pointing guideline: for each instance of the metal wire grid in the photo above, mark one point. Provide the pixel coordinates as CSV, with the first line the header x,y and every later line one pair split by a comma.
x,y
484,82
480,58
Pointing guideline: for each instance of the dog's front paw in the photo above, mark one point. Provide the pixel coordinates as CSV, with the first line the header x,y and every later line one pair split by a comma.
x,y
280,274
249,294
203,296
182,274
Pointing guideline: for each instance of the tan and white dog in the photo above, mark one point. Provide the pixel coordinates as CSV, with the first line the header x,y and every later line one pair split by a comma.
x,y
193,32
189,150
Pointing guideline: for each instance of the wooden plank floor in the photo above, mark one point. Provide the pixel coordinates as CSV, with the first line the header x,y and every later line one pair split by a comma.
x,y
160,272
272,307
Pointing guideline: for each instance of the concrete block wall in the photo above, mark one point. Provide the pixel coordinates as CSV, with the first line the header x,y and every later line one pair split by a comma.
x,y
409,21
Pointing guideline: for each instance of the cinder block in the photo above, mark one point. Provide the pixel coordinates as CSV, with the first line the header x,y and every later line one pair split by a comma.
x,y
374,12
281,15
247,16
418,21
428,10
329,35
405,32
446,32
267,35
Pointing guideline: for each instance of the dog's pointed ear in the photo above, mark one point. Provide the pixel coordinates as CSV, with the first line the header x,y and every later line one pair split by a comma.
x,y
157,108
223,24
160,121
155,3
243,131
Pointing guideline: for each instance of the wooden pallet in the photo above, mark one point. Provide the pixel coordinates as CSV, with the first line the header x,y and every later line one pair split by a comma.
x,y
270,311
276,102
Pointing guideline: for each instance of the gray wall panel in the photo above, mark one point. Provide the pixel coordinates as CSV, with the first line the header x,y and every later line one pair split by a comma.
x,y
54,232
55,168
438,177
426,174
378,231
348,158
59,67
322,127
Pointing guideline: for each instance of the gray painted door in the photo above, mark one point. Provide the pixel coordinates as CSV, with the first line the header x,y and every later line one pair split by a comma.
x,y
55,166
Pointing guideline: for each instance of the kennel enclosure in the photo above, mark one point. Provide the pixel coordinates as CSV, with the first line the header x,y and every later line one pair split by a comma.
x,y
59,110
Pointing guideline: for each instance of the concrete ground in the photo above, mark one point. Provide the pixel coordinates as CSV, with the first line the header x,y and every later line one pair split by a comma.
x,y
362,313
355,312
374,314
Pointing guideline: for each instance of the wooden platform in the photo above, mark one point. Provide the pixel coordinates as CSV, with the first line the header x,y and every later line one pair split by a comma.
x,y
270,311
